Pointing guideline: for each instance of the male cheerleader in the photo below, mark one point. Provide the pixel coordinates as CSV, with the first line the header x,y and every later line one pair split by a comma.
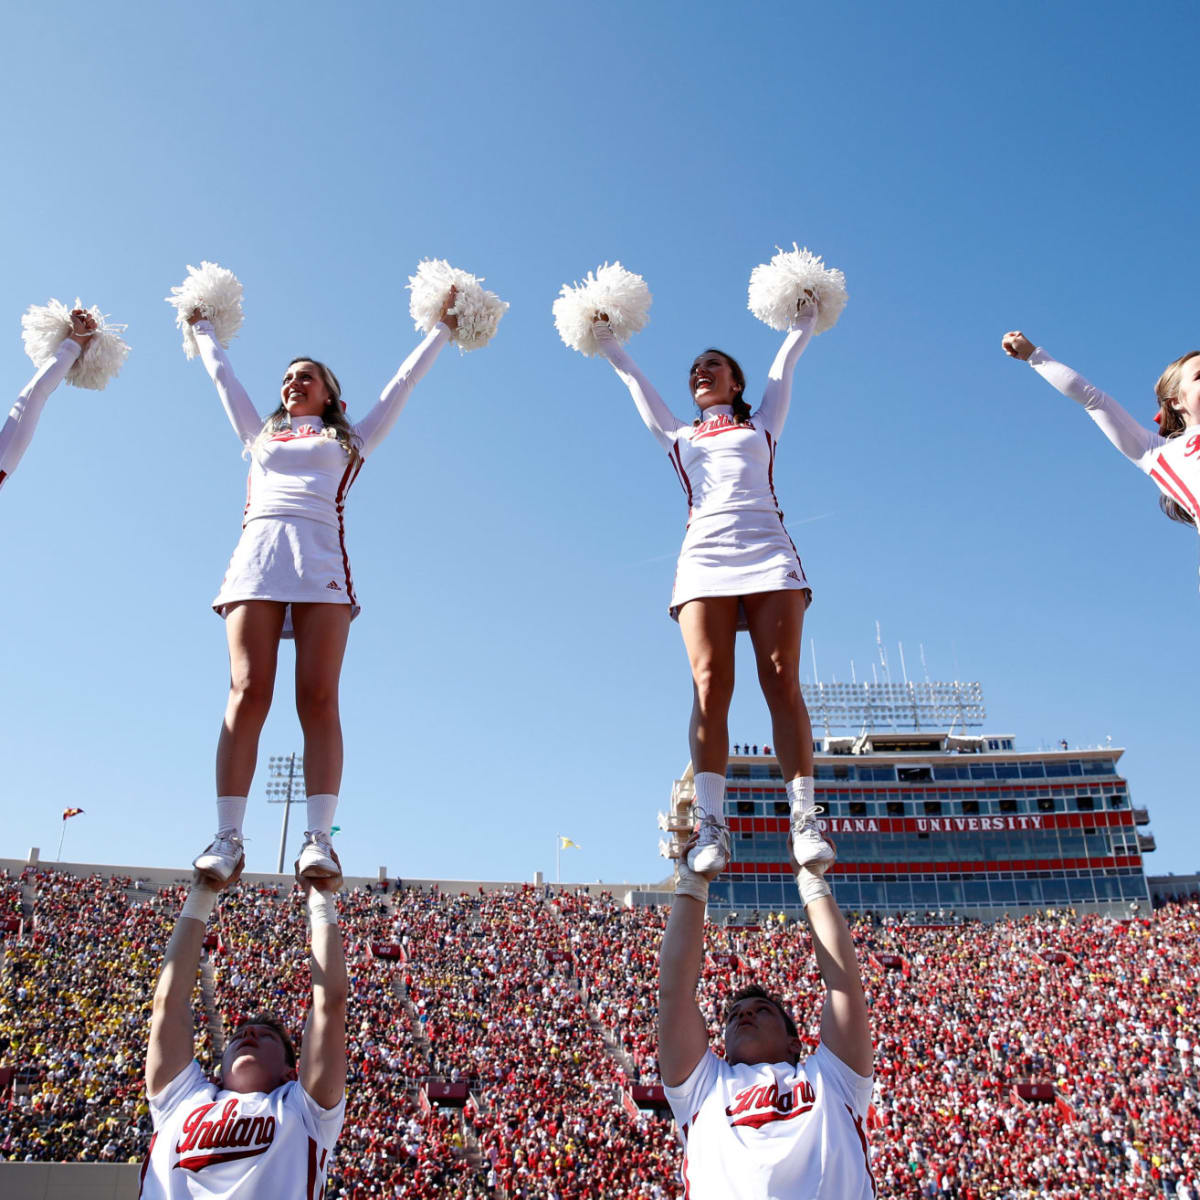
x,y
269,1127
764,1123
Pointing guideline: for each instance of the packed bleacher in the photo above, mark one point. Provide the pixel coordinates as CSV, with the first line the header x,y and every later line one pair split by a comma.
x,y
543,1008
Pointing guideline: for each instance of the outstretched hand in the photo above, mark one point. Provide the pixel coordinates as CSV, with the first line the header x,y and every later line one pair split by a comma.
x,y
195,315
818,868
323,883
1017,345
215,884
688,847
83,326
448,317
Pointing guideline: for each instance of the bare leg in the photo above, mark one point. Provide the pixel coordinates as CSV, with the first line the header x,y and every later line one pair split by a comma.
x,y
709,628
776,620
252,628
321,633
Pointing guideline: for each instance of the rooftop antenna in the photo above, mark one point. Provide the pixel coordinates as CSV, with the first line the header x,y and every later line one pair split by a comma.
x,y
903,666
882,654
924,668
853,676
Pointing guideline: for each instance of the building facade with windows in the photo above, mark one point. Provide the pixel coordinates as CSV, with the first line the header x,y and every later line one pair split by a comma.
x,y
929,822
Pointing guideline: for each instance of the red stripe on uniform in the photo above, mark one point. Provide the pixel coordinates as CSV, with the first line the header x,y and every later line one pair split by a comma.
x,y
771,473
149,1151
348,478
312,1169
862,1138
3,477
1191,500
677,462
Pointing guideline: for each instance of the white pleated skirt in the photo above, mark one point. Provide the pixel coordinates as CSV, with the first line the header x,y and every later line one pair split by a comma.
x,y
290,560
736,553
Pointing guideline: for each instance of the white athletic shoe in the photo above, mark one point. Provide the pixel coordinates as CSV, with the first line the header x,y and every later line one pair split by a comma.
x,y
809,847
713,851
316,859
221,858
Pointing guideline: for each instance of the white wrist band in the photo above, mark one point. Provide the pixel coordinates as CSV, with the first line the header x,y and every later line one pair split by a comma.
x,y
199,904
322,908
688,883
811,886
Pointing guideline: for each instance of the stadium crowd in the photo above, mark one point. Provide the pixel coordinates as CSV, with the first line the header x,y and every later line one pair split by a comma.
x,y
538,1003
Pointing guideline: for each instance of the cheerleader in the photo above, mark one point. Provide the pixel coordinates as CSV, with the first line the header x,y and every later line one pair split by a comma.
x,y
18,430
290,576
738,569
1171,457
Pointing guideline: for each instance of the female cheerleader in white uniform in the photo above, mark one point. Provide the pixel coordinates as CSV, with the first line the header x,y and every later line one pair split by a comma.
x,y
1171,457
17,432
738,569
290,577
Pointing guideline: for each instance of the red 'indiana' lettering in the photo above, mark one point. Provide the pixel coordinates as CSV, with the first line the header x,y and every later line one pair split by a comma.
x,y
762,1103
228,1130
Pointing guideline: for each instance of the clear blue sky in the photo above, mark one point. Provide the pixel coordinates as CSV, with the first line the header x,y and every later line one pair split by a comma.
x,y
514,675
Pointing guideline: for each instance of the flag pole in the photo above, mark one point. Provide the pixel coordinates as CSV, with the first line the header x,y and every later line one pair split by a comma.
x,y
557,857
58,857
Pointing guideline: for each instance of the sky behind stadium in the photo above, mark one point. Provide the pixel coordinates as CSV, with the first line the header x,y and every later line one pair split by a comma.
x,y
514,676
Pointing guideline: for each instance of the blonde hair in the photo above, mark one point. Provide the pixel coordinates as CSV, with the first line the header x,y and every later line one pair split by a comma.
x,y
333,415
1171,424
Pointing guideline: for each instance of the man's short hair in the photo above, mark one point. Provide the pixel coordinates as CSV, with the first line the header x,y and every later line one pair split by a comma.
x,y
754,992
272,1022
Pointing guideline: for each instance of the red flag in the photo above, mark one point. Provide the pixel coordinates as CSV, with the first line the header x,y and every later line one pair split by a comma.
x,y
71,812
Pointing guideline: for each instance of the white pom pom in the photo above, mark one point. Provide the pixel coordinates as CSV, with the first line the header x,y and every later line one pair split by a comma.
x,y
45,327
478,310
217,293
612,290
780,288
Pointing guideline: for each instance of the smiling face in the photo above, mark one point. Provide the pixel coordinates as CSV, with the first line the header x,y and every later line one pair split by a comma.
x,y
756,1031
303,392
712,380
256,1060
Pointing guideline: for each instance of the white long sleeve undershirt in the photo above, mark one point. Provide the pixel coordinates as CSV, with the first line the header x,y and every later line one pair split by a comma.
x,y
301,471
723,465
1134,441
1173,463
17,432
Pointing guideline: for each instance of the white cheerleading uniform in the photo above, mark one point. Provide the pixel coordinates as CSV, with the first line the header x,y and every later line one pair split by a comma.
x,y
237,1145
1173,463
17,432
774,1131
293,543
736,543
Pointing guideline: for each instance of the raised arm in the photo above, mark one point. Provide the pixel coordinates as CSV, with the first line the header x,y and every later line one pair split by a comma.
x,y
1133,440
777,395
323,1054
377,424
845,1024
656,416
17,432
170,1047
246,422
682,1034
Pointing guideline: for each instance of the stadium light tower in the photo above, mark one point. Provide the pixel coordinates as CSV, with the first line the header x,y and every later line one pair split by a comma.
x,y
280,790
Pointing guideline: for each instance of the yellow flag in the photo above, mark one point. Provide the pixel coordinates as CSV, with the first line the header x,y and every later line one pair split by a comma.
x,y
567,844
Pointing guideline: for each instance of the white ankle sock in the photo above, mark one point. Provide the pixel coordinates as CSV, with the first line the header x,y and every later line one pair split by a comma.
x,y
321,808
802,793
231,811
710,794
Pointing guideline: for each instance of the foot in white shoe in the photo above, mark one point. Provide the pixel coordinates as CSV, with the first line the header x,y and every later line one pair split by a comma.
x,y
712,851
221,858
809,847
316,859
